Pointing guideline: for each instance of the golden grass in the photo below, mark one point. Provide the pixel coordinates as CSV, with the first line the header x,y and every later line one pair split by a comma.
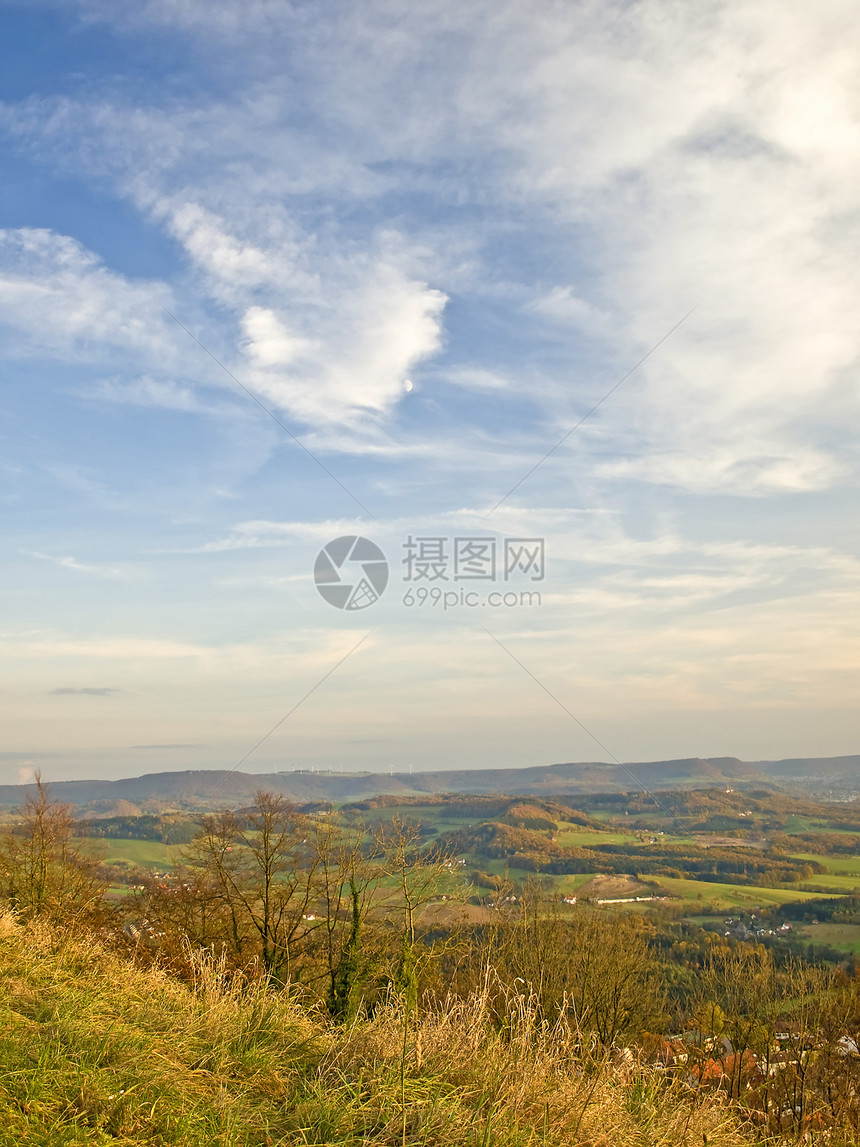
x,y
98,1051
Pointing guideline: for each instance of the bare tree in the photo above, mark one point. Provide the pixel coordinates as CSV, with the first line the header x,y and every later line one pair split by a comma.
x,y
42,873
263,870
415,878
349,875
738,984
588,965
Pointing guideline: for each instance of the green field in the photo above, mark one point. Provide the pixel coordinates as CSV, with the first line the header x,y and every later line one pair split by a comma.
x,y
843,876
845,937
832,885
436,816
138,853
796,823
583,837
500,867
570,885
724,897
842,865
444,818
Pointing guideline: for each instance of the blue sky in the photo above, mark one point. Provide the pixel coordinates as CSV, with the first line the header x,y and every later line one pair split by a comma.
x,y
429,240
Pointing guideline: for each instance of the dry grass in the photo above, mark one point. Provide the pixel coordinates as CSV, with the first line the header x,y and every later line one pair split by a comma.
x,y
97,1051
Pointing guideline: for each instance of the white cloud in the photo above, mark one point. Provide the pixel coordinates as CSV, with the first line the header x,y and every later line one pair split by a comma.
x,y
596,571
708,152
269,343
232,263
153,392
71,563
377,329
744,466
59,300
706,183
562,305
477,378
377,325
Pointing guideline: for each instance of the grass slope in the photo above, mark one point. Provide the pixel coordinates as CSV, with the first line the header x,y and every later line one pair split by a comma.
x,y
95,1051
844,937
725,897
130,851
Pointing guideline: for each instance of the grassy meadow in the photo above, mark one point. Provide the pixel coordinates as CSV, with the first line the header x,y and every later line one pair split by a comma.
x,y
730,897
134,853
98,1051
842,937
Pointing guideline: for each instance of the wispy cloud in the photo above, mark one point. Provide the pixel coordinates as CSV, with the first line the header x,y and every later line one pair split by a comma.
x,y
71,563
151,392
178,745
59,300
84,691
731,197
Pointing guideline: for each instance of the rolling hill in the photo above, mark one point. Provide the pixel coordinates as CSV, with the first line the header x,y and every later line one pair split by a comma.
x,y
220,788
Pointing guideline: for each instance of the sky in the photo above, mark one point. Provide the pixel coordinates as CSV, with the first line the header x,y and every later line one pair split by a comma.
x,y
555,304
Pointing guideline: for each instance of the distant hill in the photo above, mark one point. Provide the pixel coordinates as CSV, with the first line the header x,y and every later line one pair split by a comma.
x,y
816,772
155,792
